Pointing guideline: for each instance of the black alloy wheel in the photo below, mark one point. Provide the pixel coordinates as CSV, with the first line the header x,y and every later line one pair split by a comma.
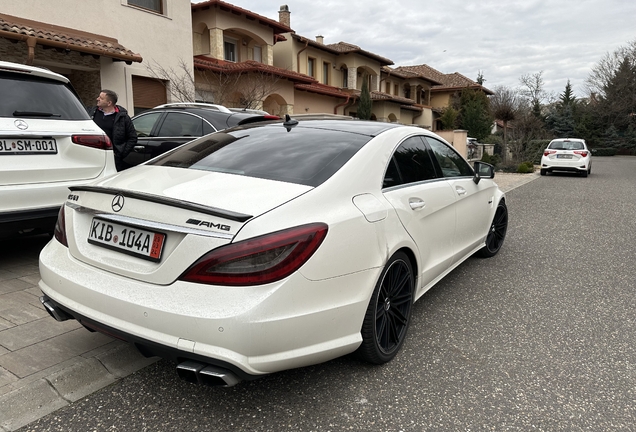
x,y
389,312
496,232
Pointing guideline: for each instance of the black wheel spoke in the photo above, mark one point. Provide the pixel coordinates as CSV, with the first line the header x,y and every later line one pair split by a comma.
x,y
393,306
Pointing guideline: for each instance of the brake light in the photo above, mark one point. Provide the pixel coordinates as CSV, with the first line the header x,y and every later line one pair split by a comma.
x,y
60,227
548,152
95,141
271,117
583,153
260,260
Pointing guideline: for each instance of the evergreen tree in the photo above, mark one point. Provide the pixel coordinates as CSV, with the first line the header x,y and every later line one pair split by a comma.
x,y
474,113
449,118
364,104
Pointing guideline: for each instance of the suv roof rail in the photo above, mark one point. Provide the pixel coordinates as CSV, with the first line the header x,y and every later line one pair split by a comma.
x,y
219,108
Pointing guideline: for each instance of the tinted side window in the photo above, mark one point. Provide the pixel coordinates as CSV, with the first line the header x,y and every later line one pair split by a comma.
x,y
451,163
207,128
38,98
181,125
411,163
144,123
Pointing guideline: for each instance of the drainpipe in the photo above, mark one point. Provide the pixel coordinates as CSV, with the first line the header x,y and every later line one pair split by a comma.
x,y
31,45
335,109
298,55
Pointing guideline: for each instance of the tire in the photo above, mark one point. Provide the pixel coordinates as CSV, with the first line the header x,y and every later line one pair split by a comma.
x,y
496,232
584,173
544,172
389,312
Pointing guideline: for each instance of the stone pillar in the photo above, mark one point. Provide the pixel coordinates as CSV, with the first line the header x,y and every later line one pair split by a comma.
x,y
375,83
414,92
267,55
352,78
216,44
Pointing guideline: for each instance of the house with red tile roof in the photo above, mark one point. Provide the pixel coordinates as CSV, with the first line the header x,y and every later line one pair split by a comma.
x,y
104,46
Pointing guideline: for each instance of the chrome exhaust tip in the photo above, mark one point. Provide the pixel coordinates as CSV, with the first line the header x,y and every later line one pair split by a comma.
x,y
54,310
208,375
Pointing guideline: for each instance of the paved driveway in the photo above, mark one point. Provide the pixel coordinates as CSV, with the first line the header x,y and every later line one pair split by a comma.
x,y
541,337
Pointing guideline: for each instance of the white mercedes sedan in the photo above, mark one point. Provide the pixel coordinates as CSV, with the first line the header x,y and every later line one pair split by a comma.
x,y
269,247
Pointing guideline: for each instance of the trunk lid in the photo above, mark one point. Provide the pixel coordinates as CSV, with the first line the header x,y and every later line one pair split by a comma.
x,y
189,212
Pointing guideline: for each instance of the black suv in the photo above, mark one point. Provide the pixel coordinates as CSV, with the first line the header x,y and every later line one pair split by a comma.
x,y
168,126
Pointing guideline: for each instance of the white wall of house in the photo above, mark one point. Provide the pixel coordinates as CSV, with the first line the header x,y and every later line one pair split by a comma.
x,y
165,39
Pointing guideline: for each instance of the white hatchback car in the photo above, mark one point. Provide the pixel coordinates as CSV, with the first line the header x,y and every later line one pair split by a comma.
x,y
271,246
567,154
48,143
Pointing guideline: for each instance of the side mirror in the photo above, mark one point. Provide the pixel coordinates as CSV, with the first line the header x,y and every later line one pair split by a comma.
x,y
483,170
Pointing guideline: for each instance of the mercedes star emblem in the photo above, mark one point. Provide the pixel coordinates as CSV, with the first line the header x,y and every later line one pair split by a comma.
x,y
21,124
118,203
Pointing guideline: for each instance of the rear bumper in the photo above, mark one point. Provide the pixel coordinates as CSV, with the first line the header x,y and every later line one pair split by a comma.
x,y
35,206
560,165
250,331
42,219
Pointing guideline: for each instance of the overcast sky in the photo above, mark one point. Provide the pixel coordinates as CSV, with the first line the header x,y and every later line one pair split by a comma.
x,y
502,39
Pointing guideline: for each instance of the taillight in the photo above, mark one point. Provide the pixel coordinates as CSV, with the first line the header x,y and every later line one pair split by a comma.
x,y
60,227
95,141
548,152
260,260
583,153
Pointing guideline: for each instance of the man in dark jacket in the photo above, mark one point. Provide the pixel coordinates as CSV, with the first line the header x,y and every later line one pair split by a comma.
x,y
115,122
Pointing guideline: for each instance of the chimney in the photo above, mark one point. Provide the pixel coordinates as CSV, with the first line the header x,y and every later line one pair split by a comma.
x,y
320,40
284,16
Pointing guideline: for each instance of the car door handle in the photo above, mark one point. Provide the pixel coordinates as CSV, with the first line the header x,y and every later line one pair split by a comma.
x,y
460,190
138,148
416,204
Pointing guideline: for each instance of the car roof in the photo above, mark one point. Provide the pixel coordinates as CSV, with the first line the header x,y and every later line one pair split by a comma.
x,y
363,127
31,71
568,139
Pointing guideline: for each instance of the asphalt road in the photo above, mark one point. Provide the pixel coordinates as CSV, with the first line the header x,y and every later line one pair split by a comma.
x,y
540,337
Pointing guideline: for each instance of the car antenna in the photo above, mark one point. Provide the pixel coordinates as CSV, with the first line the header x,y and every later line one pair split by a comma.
x,y
289,122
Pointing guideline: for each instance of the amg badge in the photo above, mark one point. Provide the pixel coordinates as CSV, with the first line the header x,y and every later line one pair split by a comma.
x,y
208,224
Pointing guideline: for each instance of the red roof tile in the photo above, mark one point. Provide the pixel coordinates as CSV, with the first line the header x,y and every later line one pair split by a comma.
x,y
446,81
209,63
275,25
325,90
63,37
346,48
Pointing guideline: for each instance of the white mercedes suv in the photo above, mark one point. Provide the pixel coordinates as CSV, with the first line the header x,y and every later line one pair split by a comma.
x,y
47,144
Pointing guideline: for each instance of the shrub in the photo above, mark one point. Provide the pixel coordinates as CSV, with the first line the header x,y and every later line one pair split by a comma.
x,y
534,150
603,151
525,167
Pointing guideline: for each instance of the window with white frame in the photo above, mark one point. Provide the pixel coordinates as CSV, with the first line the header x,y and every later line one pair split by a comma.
x,y
152,5
229,49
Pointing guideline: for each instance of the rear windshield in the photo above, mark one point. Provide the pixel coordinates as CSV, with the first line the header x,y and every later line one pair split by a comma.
x,y
303,155
30,97
566,145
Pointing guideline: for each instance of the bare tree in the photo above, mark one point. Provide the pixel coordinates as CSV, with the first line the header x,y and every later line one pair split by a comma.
x,y
241,89
504,105
533,89
178,82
